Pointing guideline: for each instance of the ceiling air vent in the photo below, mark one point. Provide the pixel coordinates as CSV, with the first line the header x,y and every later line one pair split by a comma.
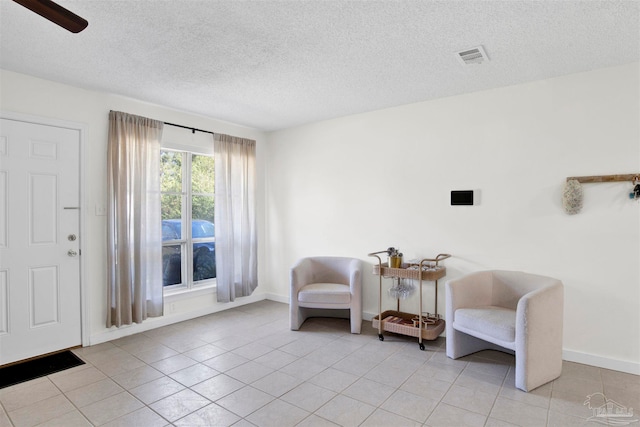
x,y
476,55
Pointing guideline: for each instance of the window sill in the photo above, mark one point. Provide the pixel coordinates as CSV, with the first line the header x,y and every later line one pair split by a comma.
x,y
182,294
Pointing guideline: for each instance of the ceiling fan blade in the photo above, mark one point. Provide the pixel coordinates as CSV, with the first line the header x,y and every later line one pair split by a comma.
x,y
56,14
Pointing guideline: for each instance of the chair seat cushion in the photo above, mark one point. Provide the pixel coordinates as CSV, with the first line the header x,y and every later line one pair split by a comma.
x,y
331,293
497,322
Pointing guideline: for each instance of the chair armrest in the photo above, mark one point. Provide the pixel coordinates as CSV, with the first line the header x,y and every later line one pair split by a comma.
x,y
300,275
539,318
355,276
539,315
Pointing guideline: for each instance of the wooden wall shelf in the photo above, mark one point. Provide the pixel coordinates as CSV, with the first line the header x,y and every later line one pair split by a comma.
x,y
606,178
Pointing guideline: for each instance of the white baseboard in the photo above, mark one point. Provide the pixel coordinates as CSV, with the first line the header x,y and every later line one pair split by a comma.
x,y
278,298
368,316
157,322
601,362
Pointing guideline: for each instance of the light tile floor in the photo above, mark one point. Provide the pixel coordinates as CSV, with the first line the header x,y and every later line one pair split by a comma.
x,y
244,367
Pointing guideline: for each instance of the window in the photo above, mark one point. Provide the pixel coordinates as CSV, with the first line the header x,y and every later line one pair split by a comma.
x,y
188,236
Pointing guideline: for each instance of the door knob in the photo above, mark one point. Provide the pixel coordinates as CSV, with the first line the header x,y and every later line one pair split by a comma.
x,y
72,253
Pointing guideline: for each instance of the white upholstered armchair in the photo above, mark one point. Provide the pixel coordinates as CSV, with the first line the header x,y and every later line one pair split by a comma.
x,y
510,310
326,287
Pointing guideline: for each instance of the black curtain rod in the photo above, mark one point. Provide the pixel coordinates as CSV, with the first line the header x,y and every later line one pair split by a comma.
x,y
193,130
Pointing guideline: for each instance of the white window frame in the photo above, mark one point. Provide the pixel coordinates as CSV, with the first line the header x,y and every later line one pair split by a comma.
x,y
198,146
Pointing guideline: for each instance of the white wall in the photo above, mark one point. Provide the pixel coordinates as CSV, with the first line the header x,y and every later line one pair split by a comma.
x,y
362,183
27,95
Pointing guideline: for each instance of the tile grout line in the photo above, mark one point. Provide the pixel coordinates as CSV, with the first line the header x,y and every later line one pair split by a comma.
x,y
395,357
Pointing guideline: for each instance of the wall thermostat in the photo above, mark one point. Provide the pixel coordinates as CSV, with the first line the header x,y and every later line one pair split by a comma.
x,y
462,198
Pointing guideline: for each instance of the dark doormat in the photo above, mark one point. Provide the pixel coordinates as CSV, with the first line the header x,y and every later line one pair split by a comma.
x,y
35,368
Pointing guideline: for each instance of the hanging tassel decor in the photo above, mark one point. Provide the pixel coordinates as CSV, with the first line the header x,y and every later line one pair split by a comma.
x,y
572,197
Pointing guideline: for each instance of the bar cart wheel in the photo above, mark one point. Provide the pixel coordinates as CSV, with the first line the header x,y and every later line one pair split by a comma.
x,y
421,346
381,337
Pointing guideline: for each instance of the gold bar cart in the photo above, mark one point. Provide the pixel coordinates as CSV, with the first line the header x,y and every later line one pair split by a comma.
x,y
400,322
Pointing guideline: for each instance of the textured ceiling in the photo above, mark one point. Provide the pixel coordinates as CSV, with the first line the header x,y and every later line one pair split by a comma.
x,y
277,64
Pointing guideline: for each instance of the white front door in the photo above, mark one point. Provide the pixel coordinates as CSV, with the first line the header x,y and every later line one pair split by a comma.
x,y
39,239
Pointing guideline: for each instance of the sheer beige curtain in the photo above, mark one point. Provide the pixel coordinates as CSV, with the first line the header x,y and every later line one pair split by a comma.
x,y
134,219
235,217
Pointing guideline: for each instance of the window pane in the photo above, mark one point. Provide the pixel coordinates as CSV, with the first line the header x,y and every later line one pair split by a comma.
x,y
204,261
170,231
171,171
202,208
201,229
202,174
171,265
171,214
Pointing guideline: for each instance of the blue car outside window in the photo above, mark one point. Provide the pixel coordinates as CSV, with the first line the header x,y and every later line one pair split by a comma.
x,y
200,228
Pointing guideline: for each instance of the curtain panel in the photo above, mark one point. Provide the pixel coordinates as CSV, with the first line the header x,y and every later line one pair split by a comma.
x,y
235,217
134,224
